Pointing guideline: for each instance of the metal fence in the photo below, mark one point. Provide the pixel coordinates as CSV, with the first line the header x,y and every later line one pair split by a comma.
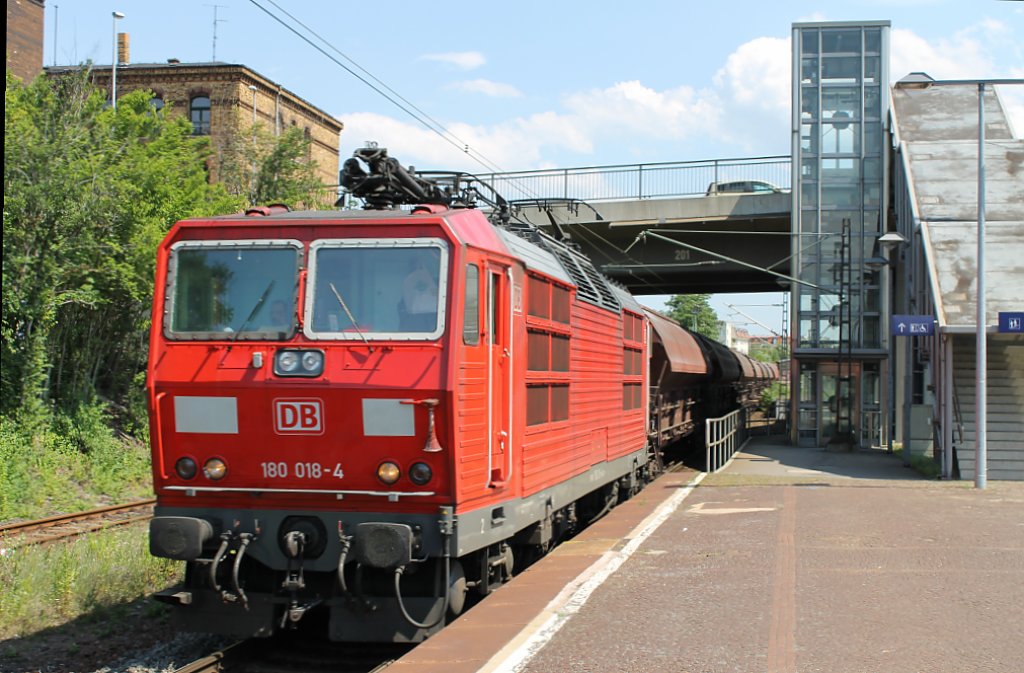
x,y
722,438
638,181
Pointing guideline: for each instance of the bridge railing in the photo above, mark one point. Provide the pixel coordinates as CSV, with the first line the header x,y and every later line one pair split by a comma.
x,y
638,181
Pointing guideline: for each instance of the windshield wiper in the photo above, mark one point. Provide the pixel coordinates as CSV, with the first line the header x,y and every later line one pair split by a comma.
x,y
351,319
254,311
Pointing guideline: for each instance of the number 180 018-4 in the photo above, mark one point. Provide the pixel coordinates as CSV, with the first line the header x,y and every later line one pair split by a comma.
x,y
281,470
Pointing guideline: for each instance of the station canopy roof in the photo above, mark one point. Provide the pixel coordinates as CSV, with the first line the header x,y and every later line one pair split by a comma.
x,y
938,127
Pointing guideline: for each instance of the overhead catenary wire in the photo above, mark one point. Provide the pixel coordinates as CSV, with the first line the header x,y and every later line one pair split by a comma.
x,y
384,90
466,148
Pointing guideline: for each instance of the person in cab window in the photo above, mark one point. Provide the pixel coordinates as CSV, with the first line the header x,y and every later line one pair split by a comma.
x,y
417,310
279,319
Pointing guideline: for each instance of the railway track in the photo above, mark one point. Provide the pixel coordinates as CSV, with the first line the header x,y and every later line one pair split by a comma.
x,y
50,529
284,654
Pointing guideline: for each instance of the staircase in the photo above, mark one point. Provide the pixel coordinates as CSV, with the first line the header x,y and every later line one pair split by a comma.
x,y
1005,405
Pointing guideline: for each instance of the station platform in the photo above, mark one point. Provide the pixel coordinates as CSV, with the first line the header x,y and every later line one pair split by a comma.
x,y
789,559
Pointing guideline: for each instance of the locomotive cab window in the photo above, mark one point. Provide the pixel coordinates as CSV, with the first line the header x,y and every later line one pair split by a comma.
x,y
377,289
471,307
232,290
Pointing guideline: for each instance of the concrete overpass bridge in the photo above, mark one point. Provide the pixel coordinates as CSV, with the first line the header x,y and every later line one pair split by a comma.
x,y
656,229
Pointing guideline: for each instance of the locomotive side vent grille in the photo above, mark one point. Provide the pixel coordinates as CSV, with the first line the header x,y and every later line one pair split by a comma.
x,y
591,285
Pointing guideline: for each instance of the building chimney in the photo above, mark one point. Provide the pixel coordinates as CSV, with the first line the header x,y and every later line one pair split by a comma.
x,y
122,49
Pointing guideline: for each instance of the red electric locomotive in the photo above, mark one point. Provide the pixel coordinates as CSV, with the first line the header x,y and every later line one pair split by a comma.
x,y
364,415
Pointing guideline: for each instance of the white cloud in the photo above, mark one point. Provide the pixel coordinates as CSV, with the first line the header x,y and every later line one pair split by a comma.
x,y
745,111
960,57
755,85
487,88
758,74
988,48
512,145
633,108
466,60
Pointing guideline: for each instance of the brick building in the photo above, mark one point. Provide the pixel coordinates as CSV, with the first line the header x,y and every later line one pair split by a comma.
x,y
223,100
25,38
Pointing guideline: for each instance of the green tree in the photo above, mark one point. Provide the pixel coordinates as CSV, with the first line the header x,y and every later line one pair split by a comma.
x,y
89,192
694,312
769,353
264,168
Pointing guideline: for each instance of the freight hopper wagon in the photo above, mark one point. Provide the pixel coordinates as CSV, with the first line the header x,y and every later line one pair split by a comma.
x,y
694,378
359,417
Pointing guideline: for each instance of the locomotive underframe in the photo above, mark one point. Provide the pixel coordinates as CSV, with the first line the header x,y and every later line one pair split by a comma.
x,y
267,588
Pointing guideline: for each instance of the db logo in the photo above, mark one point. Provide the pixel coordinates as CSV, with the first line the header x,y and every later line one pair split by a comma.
x,y
297,416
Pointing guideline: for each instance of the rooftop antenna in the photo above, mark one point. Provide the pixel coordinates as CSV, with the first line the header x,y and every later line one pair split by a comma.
x,y
215,22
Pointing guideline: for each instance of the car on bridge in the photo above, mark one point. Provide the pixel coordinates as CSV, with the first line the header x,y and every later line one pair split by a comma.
x,y
742,187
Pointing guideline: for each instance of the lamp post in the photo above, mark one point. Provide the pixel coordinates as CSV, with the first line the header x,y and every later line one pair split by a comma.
x,y
252,88
252,181
920,80
113,68
888,242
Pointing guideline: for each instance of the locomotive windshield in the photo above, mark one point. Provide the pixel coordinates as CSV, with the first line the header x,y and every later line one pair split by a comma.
x,y
233,290
376,289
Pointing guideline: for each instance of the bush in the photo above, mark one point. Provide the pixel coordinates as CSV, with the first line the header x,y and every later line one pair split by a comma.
x,y
776,391
71,463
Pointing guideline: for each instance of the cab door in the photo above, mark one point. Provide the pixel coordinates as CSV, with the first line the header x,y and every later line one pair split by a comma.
x,y
499,375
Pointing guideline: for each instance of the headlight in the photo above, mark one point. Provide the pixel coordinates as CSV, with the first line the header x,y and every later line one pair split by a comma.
x,y
186,468
215,469
420,473
293,362
388,472
287,361
313,362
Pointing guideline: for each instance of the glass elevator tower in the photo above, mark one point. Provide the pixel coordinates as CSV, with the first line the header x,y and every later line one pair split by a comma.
x,y
840,152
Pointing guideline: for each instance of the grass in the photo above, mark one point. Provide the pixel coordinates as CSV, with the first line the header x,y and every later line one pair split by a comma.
x,y
920,462
95,574
68,464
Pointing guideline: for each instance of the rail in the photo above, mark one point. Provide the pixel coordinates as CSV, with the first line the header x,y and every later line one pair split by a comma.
x,y
38,531
638,181
231,658
722,438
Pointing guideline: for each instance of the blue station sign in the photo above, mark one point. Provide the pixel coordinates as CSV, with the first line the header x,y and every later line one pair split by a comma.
x,y
913,325
1011,322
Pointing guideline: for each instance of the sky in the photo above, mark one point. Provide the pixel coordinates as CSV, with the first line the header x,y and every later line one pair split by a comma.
x,y
560,84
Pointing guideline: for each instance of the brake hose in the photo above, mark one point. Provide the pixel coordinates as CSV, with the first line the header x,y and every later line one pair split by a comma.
x,y
246,539
346,542
444,587
224,540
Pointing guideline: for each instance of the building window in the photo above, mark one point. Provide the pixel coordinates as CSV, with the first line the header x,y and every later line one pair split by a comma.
x,y
199,113
157,102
